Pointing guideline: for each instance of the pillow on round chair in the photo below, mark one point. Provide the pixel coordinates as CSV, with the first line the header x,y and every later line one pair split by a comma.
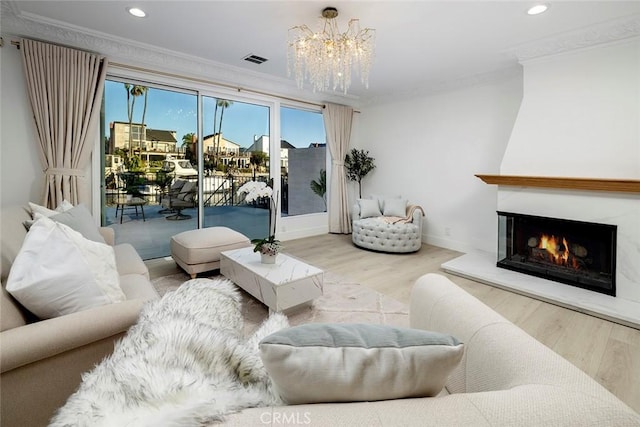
x,y
349,362
395,207
369,208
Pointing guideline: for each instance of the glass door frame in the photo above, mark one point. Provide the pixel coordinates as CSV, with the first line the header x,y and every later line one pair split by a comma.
x,y
200,90
274,118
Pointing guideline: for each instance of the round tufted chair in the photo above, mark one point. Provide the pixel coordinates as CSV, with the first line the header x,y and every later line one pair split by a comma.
x,y
387,233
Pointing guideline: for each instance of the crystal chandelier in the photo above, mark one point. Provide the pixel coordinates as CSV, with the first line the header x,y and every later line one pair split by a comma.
x,y
327,57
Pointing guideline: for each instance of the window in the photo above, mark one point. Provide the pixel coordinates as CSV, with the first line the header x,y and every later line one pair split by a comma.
x,y
303,161
154,134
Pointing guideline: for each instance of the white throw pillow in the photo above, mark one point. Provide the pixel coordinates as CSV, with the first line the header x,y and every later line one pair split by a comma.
x,y
38,211
382,199
358,362
57,272
395,207
369,208
62,207
80,219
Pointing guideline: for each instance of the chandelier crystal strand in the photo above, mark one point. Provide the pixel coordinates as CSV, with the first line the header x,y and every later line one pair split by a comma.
x,y
327,58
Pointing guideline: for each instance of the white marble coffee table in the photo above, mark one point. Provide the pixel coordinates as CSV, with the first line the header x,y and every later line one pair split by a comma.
x,y
280,286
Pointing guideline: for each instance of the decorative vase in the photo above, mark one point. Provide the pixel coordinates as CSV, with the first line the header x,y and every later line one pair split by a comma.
x,y
268,258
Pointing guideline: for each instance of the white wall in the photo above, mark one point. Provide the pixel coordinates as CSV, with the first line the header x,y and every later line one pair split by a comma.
x,y
20,167
428,149
581,115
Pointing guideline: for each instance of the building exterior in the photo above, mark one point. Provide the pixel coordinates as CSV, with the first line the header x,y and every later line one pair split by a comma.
x,y
261,143
228,152
150,144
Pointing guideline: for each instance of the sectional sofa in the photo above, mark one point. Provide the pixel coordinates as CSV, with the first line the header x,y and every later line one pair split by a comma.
x,y
505,378
42,360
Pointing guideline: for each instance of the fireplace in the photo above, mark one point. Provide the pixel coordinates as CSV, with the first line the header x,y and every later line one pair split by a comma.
x,y
576,253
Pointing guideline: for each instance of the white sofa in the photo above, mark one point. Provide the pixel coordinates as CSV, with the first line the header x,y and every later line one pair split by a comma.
x,y
42,360
506,378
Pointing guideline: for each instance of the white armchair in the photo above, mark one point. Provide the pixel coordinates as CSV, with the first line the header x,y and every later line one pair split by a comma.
x,y
387,225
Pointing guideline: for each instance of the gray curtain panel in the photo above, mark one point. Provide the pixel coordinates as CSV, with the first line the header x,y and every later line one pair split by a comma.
x,y
337,122
65,89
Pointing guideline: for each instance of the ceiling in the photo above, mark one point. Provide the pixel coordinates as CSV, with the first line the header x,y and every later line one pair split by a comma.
x,y
419,44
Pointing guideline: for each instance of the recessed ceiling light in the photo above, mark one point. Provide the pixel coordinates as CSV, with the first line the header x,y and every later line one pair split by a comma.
x,y
137,12
537,9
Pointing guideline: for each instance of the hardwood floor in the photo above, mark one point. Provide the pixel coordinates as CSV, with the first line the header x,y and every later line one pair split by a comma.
x,y
608,352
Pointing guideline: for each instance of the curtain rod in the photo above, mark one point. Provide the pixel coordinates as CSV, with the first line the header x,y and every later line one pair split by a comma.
x,y
13,42
195,79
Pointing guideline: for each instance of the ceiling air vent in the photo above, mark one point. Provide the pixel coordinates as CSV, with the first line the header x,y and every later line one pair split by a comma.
x,y
255,59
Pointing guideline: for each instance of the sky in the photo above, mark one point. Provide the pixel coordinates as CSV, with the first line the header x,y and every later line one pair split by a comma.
x,y
177,111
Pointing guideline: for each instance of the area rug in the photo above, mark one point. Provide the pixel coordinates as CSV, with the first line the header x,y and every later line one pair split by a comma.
x,y
343,302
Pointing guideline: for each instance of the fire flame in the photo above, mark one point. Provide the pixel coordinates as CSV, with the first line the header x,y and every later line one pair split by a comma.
x,y
558,250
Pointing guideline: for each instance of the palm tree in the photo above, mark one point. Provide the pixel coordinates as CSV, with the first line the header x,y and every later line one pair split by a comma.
x,y
222,103
127,88
187,142
137,91
188,138
145,91
132,93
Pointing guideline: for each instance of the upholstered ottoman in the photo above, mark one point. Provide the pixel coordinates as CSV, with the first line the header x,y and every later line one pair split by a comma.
x,y
378,235
199,250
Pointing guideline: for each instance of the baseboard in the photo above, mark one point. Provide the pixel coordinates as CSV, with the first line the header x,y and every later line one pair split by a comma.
x,y
301,233
447,243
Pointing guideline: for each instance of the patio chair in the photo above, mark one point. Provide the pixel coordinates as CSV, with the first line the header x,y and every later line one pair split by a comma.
x,y
180,196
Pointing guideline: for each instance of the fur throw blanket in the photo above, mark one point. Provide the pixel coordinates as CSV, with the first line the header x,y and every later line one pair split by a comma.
x,y
184,363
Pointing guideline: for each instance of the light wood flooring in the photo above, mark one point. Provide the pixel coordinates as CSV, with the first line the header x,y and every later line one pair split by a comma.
x,y
608,352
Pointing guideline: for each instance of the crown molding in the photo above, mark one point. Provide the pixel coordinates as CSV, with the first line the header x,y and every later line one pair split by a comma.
x,y
125,51
608,32
432,88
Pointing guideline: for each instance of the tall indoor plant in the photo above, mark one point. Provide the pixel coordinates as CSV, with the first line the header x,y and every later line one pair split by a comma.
x,y
358,164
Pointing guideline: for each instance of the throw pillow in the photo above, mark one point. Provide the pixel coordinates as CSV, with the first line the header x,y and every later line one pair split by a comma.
x,y
395,207
369,208
57,272
382,199
42,211
80,219
62,207
357,362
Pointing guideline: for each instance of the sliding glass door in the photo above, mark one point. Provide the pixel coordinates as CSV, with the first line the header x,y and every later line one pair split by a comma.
x,y
235,150
159,169
148,144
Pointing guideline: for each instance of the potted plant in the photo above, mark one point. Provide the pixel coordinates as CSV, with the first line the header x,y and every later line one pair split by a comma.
x,y
358,164
269,247
319,187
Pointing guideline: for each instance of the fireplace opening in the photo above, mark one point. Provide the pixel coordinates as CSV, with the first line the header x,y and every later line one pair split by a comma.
x,y
576,253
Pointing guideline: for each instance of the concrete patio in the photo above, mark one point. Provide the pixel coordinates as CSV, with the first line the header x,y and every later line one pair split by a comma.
x,y
151,237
